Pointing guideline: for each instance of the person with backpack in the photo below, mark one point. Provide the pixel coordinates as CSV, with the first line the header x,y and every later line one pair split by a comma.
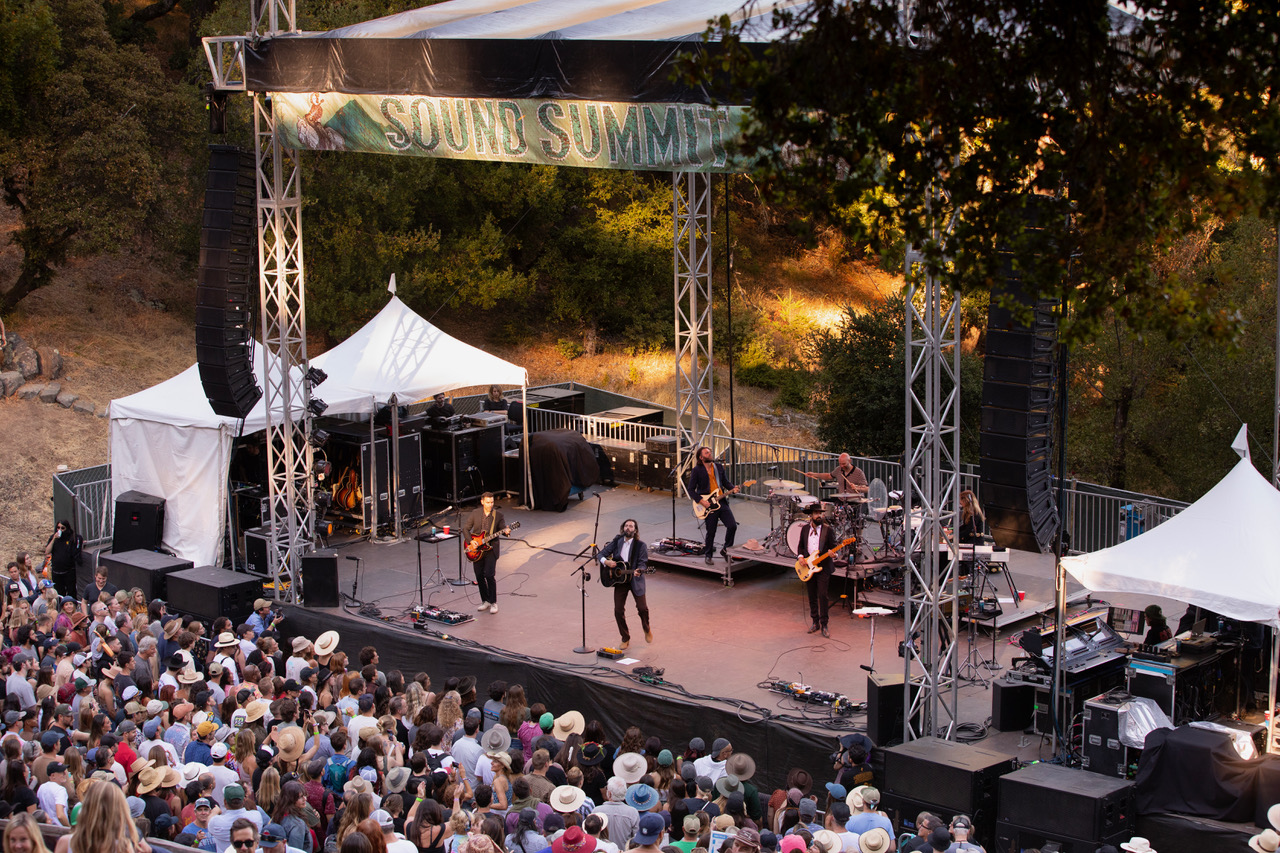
x,y
337,769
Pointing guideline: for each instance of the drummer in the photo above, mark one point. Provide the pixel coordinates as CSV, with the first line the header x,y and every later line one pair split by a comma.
x,y
849,478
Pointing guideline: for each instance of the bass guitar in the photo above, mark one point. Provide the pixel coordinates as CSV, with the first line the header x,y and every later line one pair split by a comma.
x,y
478,544
700,512
807,567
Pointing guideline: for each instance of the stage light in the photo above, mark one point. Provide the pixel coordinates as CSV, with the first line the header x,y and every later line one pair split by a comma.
x,y
315,376
322,468
316,407
318,438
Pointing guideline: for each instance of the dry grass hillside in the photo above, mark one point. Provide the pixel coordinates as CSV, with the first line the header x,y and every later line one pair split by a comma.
x,y
124,322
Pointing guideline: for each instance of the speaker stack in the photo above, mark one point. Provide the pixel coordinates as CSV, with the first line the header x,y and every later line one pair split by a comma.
x,y
226,291
139,522
1044,804
1019,394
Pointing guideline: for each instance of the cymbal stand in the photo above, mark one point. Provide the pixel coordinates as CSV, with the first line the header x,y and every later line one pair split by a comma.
x,y
975,662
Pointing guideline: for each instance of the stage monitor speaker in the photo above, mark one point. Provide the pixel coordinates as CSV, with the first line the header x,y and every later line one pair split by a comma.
x,y
1012,705
139,523
146,570
884,707
207,593
1068,802
959,777
320,579
226,290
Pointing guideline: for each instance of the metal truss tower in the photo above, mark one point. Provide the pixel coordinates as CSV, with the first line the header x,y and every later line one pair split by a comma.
x,y
691,214
932,478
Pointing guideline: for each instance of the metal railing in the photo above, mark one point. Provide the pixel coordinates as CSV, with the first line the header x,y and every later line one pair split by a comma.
x,y
1098,517
84,498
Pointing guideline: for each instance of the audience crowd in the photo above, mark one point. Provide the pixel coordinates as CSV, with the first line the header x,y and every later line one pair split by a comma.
x,y
130,724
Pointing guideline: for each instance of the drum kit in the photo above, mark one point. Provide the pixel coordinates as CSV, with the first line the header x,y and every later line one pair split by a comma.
x,y
846,512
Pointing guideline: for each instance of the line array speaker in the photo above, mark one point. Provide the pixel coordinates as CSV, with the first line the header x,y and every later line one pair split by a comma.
x,y
225,292
1019,392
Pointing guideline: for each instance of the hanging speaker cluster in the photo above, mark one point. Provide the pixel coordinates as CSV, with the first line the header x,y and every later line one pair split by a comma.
x,y
227,287
1019,395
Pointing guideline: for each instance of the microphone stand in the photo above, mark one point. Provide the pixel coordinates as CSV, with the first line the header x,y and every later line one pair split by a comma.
x,y
461,581
585,576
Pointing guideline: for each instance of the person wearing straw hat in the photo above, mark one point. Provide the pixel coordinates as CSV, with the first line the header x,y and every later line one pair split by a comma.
x,y
568,723
298,660
629,767
150,780
226,645
1138,844
1266,841
567,799
743,766
875,840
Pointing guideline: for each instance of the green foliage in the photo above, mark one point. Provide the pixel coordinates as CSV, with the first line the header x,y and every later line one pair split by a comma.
x,y
859,394
948,121
570,349
93,157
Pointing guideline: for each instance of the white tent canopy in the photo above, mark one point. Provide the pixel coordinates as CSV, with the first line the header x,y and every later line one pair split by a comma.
x,y
1219,553
166,440
398,352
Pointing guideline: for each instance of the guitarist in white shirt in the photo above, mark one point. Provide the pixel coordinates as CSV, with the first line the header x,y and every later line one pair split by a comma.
x,y
486,520
624,562
708,481
817,538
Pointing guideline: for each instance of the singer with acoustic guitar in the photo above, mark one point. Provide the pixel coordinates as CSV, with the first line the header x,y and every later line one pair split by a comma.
x,y
623,564
710,486
485,521
817,538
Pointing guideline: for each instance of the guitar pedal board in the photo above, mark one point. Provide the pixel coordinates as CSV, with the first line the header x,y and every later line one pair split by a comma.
x,y
812,696
1142,651
422,615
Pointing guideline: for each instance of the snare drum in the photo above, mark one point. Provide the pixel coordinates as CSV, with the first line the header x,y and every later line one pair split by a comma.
x,y
803,501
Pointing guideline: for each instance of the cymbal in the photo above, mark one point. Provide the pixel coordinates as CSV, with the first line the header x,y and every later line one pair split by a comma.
x,y
847,496
791,493
789,484
772,484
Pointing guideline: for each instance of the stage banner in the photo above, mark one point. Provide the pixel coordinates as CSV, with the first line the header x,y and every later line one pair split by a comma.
x,y
665,137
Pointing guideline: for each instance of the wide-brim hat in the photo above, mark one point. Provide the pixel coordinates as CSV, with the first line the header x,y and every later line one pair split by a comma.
x,y
300,645
574,840
291,742
1138,844
504,757
172,627
569,723
149,779
1273,817
189,676
225,639
255,710
875,840
466,684
327,643
728,784
397,779
1266,841
567,799
812,509
642,797
172,778
358,785
497,739
741,765
176,662
828,841
629,767
753,545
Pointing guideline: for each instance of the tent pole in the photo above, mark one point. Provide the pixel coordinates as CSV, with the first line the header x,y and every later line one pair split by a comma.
x,y
1271,690
524,439
371,499
395,464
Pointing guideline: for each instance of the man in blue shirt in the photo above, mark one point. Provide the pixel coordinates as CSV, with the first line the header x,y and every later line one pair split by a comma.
x,y
262,618
868,818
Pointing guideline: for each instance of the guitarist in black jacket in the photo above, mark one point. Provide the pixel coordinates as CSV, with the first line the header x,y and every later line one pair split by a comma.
x,y
622,565
707,476
817,538
486,520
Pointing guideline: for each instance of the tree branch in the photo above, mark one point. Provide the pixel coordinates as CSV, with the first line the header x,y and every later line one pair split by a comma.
x,y
156,10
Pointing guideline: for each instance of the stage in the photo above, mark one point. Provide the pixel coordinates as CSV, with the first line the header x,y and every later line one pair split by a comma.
x,y
724,644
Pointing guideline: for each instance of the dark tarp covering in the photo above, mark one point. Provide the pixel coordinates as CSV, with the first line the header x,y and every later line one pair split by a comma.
x,y
636,71
558,460
1195,772
616,702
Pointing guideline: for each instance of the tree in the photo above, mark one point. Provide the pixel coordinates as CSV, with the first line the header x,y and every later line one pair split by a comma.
x,y
967,109
859,397
92,146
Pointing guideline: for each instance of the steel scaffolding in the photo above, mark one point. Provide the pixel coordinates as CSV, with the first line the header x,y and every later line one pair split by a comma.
x,y
691,215
932,480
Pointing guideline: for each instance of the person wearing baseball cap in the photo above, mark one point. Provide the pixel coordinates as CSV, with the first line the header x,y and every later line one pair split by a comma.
x,y
746,841
650,830
262,619
869,817
52,795
220,825
201,812
199,748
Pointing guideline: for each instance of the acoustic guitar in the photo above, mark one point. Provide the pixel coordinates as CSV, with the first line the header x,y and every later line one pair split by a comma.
x,y
700,512
619,576
478,544
807,567
347,494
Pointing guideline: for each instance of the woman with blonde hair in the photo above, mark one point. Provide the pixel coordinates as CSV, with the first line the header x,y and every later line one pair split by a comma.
x,y
22,835
268,790
972,519
104,824
415,698
246,760
137,602
358,808
449,715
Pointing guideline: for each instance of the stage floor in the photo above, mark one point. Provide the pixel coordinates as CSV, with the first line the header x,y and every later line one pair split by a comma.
x,y
710,638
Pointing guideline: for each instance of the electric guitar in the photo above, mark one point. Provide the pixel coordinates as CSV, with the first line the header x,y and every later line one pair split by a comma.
x,y
478,544
807,567
700,512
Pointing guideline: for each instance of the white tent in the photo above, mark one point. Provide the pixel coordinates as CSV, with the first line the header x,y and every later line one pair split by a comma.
x,y
1219,553
166,441
398,352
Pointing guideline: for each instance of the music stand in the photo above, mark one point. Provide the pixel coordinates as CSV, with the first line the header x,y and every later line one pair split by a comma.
x,y
437,577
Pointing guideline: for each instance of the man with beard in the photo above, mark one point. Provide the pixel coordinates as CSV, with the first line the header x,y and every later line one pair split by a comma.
x,y
625,561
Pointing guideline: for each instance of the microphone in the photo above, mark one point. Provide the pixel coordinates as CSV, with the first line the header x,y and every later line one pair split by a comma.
x,y
864,666
357,559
